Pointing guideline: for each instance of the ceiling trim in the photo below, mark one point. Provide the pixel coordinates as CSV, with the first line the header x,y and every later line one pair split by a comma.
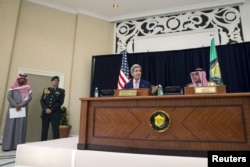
x,y
177,10
54,6
86,12
139,15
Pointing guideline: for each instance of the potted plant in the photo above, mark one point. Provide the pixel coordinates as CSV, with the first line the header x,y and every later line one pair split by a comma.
x,y
65,127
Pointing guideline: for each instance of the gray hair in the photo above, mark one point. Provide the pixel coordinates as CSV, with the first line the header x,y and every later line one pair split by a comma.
x,y
133,67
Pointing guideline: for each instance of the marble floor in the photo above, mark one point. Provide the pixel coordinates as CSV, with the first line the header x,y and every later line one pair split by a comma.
x,y
7,158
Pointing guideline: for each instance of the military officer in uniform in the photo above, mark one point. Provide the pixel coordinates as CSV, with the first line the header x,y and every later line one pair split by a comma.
x,y
51,101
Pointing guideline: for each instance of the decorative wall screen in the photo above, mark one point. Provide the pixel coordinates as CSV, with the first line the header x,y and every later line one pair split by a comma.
x,y
226,20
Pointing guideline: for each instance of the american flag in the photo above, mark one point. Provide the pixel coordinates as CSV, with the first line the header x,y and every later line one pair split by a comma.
x,y
124,71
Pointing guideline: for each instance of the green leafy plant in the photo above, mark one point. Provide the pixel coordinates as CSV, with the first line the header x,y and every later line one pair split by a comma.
x,y
64,116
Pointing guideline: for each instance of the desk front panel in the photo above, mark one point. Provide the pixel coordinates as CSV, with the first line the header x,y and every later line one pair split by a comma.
x,y
196,124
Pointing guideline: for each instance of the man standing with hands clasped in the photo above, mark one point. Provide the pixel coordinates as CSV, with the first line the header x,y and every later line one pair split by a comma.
x,y
19,96
51,101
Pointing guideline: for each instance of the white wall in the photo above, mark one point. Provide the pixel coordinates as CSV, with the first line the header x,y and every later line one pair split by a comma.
x,y
45,40
176,41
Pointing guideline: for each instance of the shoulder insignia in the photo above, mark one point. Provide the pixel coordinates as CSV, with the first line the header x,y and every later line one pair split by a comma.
x,y
46,91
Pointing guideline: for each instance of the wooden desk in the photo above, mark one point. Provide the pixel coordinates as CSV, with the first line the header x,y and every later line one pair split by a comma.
x,y
198,123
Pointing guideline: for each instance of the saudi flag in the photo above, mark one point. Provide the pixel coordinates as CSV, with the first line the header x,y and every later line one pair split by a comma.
x,y
214,71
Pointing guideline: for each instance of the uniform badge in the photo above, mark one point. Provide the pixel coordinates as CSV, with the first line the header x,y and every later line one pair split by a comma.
x,y
57,93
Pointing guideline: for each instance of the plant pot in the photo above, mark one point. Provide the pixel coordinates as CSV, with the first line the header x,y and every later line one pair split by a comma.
x,y
64,130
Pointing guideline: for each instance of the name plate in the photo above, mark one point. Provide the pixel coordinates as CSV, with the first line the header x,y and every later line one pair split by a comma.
x,y
205,89
127,93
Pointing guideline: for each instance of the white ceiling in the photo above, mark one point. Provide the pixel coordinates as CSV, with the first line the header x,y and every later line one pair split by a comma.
x,y
131,9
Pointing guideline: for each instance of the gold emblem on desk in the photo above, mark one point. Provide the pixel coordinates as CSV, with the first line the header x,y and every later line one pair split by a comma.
x,y
159,121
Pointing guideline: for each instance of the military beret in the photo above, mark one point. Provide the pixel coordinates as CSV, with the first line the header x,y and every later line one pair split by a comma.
x,y
55,77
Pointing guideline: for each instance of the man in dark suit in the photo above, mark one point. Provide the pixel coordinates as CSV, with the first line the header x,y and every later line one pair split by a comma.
x,y
51,101
137,82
